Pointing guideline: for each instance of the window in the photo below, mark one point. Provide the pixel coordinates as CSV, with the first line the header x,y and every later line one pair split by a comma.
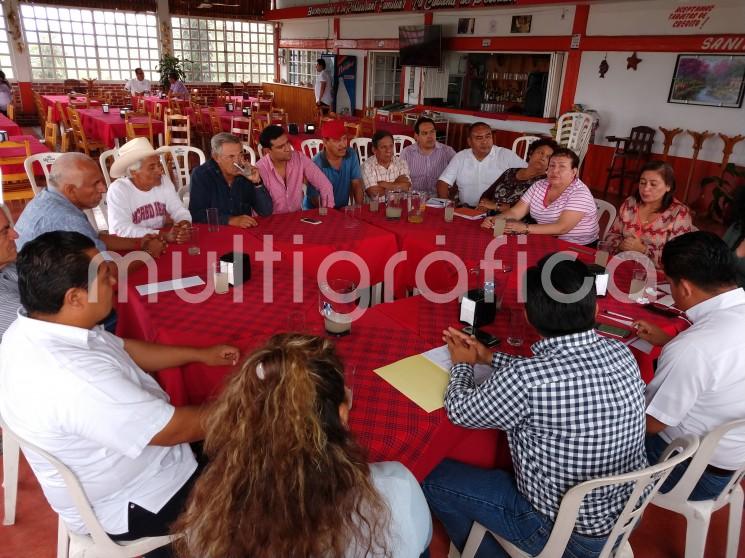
x,y
386,78
73,43
224,50
301,67
5,64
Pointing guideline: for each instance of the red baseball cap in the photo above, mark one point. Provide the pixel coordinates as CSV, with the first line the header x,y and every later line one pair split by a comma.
x,y
333,129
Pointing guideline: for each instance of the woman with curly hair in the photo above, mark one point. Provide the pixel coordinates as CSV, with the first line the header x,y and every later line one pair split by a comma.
x,y
286,477
735,235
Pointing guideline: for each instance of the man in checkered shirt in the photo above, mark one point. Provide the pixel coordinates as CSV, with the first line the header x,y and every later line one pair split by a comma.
x,y
572,412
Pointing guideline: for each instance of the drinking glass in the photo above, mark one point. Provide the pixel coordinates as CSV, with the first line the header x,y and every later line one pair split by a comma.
x,y
394,205
323,210
449,211
193,241
499,224
603,253
516,334
417,206
374,205
213,219
638,282
220,279
350,221
337,299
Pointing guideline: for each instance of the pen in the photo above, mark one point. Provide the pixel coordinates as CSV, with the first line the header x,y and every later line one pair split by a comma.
x,y
611,313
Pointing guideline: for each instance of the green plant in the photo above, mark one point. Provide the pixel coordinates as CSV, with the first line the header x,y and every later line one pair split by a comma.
x,y
724,190
167,65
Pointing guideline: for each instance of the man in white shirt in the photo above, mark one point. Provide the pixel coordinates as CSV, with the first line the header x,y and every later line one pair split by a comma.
x,y
322,86
143,200
700,378
139,85
474,170
384,171
83,395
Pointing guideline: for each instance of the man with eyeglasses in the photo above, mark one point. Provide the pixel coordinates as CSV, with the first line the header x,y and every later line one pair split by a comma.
x,y
283,171
139,85
473,170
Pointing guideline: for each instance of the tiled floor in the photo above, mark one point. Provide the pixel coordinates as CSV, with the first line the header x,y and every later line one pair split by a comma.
x,y
661,534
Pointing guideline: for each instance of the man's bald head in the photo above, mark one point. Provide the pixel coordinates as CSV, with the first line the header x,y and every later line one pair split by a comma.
x,y
78,177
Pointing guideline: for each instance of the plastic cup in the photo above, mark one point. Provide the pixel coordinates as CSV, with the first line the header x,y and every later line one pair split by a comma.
x,y
449,211
516,334
213,219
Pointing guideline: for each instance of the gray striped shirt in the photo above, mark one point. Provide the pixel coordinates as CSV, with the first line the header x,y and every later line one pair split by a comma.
x,y
10,299
426,169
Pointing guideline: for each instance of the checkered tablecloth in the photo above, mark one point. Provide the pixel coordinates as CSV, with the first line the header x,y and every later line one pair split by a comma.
x,y
385,422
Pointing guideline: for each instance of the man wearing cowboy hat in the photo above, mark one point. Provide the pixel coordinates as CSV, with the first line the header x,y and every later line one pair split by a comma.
x,y
143,200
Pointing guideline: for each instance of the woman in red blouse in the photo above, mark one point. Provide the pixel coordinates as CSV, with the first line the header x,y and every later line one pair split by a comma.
x,y
652,216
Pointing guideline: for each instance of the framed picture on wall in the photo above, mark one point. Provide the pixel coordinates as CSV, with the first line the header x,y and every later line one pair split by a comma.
x,y
715,80
521,24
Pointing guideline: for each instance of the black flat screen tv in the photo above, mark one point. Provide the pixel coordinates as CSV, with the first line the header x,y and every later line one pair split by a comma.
x,y
420,45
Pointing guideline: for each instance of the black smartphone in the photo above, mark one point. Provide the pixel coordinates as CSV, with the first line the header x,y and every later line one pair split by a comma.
x,y
615,331
483,337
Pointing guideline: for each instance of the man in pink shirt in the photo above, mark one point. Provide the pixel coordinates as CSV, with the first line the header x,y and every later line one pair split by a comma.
x,y
283,172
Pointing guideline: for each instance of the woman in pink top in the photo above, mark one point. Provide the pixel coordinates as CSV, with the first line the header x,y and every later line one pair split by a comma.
x,y
652,216
561,205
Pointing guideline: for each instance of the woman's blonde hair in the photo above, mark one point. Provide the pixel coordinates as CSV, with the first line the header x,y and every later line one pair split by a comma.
x,y
285,476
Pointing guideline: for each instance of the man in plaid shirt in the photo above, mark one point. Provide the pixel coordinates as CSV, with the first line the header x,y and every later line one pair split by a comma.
x,y
572,412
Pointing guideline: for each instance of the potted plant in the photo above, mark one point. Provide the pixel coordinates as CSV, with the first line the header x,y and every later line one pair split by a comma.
x,y
167,65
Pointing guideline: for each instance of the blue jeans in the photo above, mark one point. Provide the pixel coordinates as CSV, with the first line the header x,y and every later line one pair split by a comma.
x,y
460,494
709,486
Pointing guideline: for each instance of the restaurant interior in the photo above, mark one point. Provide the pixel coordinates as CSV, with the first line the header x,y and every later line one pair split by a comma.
x,y
606,78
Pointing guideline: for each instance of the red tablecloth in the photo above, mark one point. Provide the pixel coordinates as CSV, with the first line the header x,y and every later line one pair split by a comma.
x,y
389,425
8,125
51,100
393,127
224,116
109,127
36,147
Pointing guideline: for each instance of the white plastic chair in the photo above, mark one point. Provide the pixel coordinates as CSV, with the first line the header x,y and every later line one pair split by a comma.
x,y
399,142
179,154
698,513
98,543
573,130
603,208
311,147
363,148
636,502
103,160
45,160
11,458
521,145
248,150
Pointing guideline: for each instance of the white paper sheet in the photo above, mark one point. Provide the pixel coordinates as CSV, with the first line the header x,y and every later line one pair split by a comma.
x,y
667,300
664,287
641,344
467,310
436,202
441,357
627,323
173,285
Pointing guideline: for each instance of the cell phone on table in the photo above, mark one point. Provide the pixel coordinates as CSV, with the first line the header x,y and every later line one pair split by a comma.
x,y
615,331
311,221
483,337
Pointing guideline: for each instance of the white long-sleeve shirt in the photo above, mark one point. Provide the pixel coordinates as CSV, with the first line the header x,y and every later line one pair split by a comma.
x,y
134,213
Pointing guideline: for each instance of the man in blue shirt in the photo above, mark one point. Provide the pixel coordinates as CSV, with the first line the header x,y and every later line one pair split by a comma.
x,y
229,184
340,165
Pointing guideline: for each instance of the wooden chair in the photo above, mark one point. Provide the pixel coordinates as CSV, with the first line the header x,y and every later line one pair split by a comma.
x,y
73,85
80,103
15,185
397,117
278,117
41,112
352,129
240,126
139,129
177,130
631,152
66,130
82,143
158,111
259,121
51,131
215,125
368,127
139,104
174,106
11,110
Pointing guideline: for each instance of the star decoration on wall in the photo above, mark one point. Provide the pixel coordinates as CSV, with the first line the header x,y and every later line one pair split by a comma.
x,y
632,62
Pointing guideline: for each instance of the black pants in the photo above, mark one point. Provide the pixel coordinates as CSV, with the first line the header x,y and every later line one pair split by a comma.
x,y
143,523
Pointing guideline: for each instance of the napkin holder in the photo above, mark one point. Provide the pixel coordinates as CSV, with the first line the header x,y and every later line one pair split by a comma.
x,y
601,278
238,267
293,129
309,128
476,309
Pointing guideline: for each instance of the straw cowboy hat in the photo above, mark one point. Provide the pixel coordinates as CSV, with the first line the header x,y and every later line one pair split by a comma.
x,y
128,154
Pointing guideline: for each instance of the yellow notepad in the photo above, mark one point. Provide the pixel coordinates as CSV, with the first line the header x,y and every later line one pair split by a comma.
x,y
419,379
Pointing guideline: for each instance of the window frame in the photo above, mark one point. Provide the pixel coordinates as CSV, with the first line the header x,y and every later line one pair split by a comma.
x,y
301,64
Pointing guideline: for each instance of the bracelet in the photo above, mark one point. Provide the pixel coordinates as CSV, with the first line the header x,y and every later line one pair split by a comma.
x,y
527,228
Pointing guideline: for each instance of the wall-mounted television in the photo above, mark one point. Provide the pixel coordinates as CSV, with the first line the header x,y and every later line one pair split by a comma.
x,y
420,45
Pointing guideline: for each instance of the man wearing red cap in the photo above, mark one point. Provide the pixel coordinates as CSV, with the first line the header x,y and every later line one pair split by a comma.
x,y
340,165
